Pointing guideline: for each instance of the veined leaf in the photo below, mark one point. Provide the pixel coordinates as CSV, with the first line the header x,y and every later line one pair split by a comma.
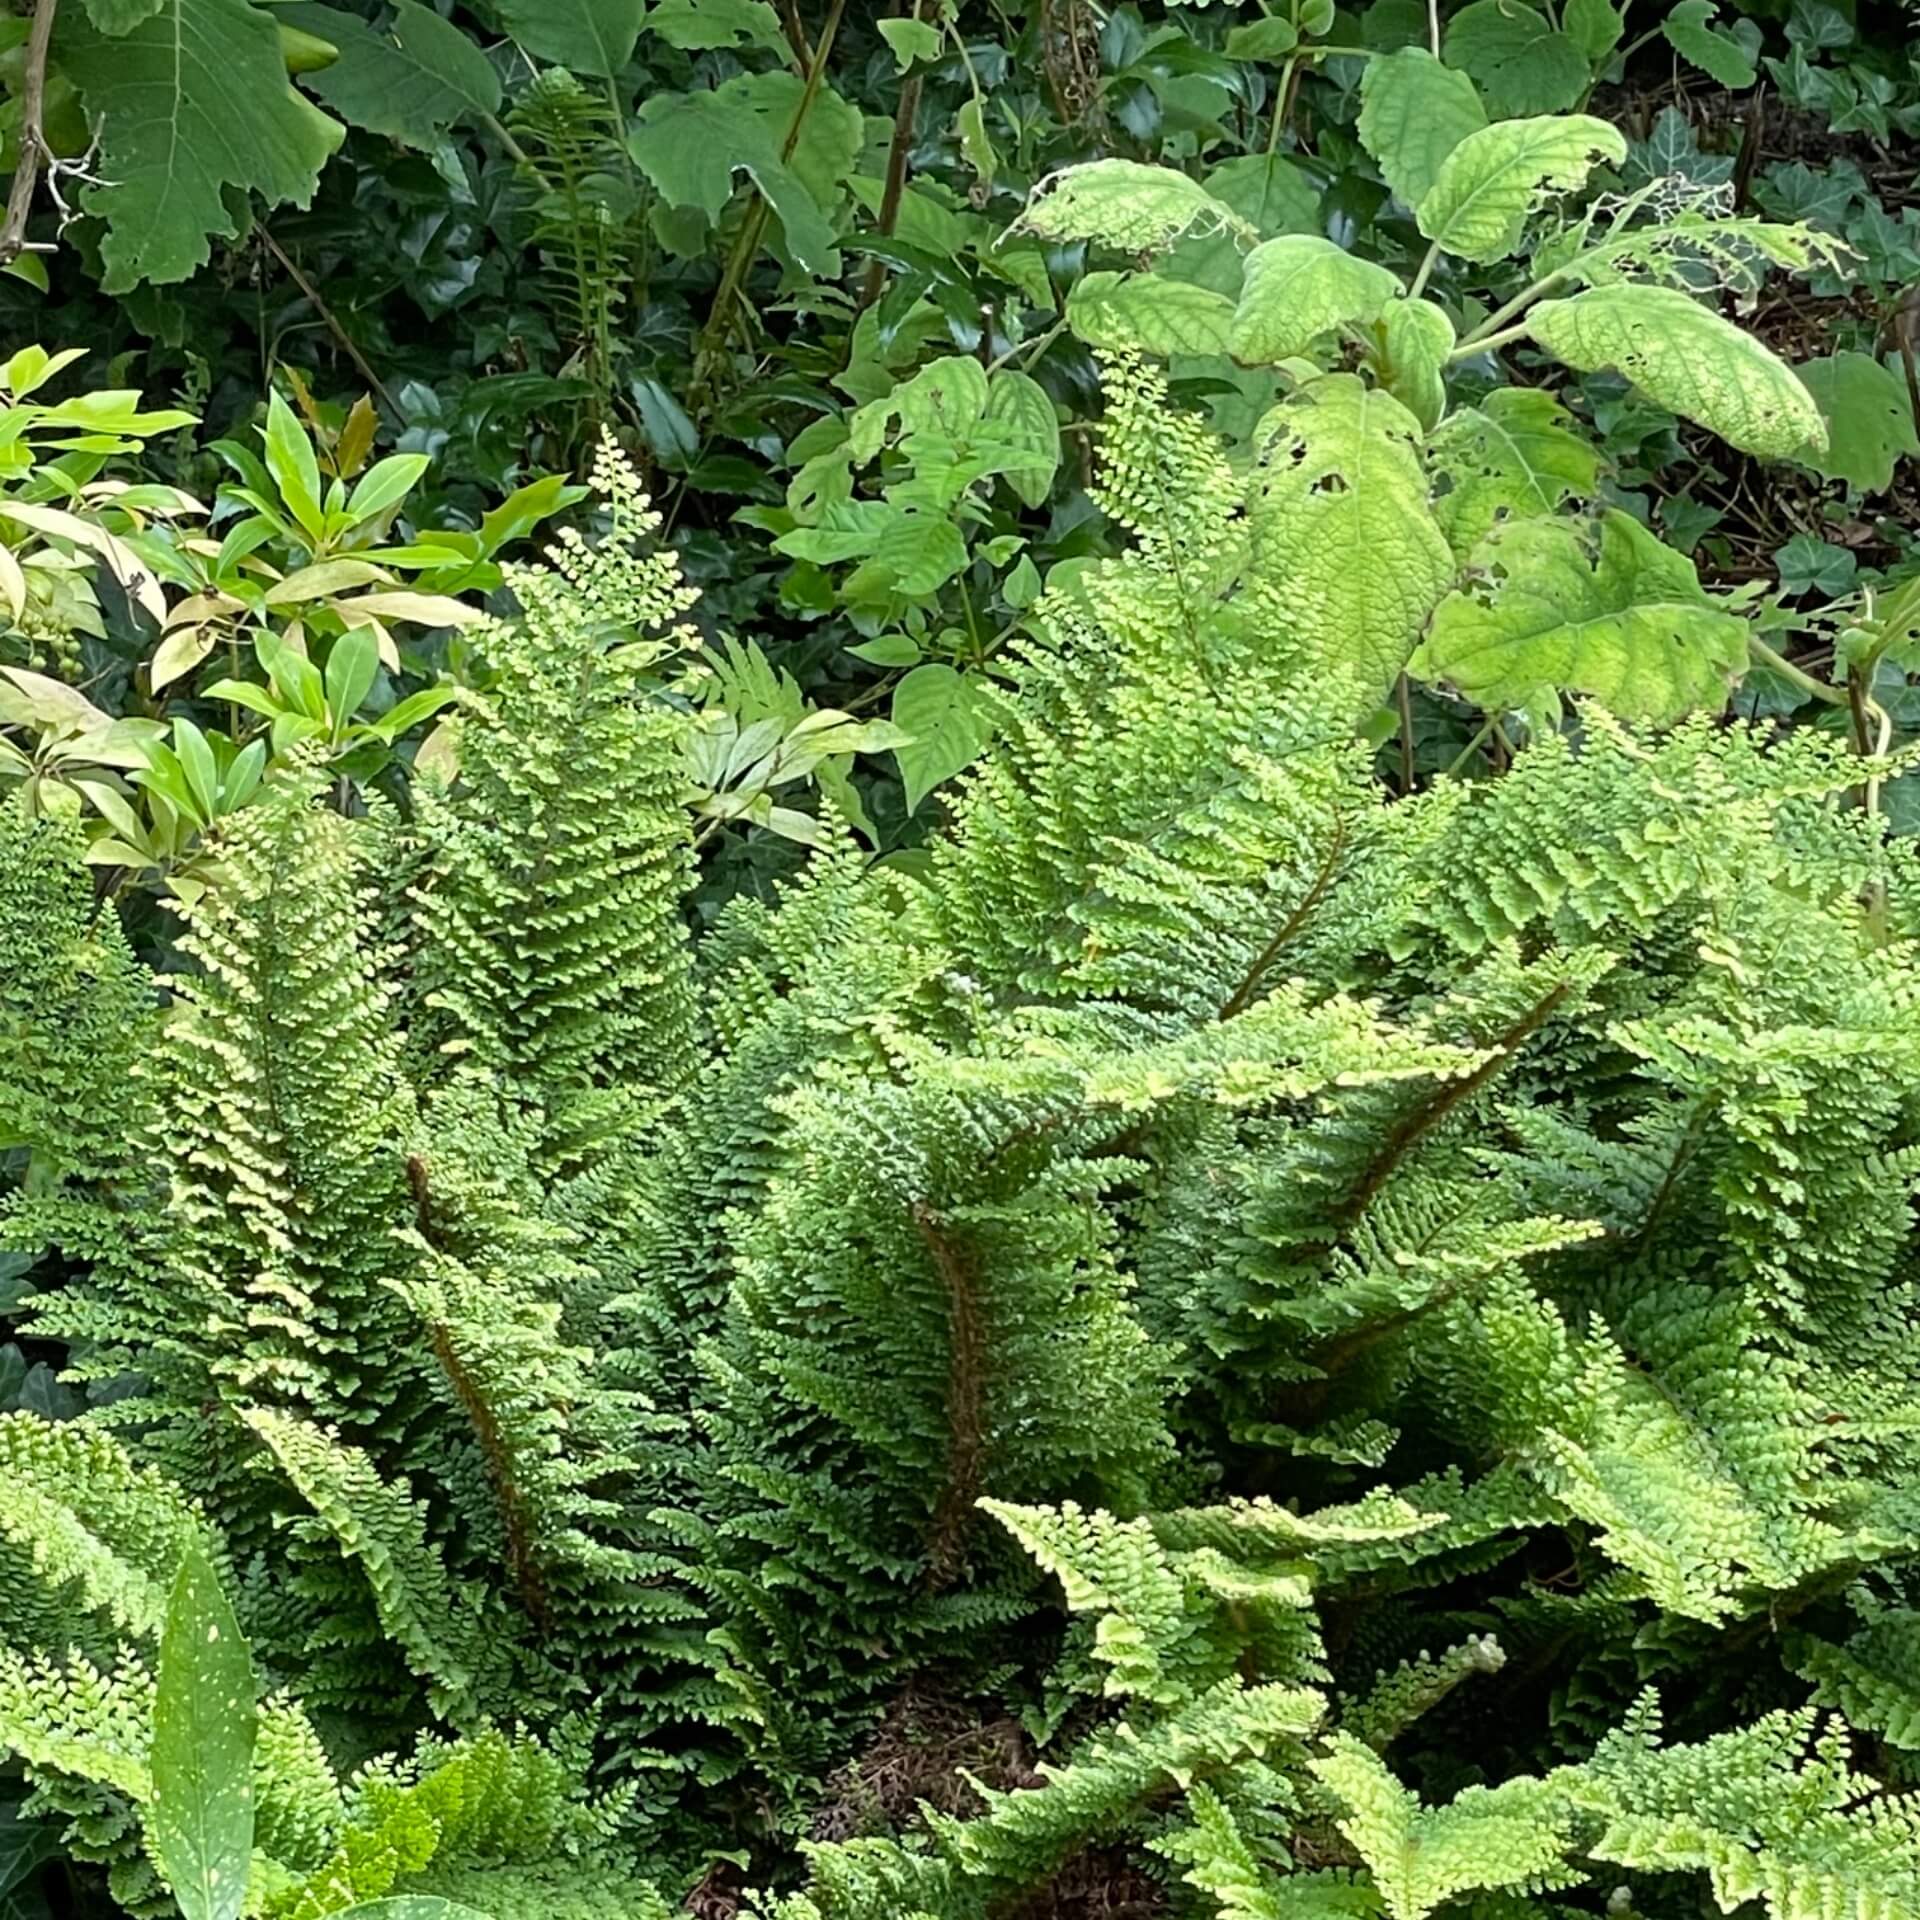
x,y
1869,420
1510,458
1413,113
1299,286
1520,60
1125,204
701,24
942,710
410,82
1627,623
1594,26
590,36
1019,414
192,104
1149,313
1338,490
1415,338
1690,360
200,1819
1690,32
1489,184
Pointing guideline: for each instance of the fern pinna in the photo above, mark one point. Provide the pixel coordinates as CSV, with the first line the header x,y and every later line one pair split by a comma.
x,y
1384,1332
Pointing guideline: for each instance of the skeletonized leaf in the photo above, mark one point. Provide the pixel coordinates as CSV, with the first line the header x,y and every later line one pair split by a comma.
x,y
1413,113
1299,286
200,1819
1512,457
1489,184
1690,360
1339,489
1522,62
1624,620
1149,313
1126,204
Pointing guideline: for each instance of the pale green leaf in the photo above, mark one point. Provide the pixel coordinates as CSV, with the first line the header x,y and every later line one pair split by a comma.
x,y
1869,417
1413,113
590,36
1125,204
1521,61
1339,488
410,81
702,24
910,40
943,712
195,113
1415,339
1148,313
1690,360
411,1906
1690,32
1489,184
1020,414
1512,457
1622,618
1298,287
200,1819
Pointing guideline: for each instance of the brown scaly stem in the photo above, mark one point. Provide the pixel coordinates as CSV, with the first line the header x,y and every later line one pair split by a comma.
x,y
958,1268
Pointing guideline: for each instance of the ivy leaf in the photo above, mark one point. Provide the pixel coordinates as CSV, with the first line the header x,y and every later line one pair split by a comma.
x,y
1628,624
1690,360
410,82
1413,113
590,36
1416,337
1809,565
701,25
1712,49
200,1819
1299,286
1489,184
949,722
1510,458
1338,487
1128,205
1594,26
1019,414
690,145
193,105
1522,63
1149,313
1869,418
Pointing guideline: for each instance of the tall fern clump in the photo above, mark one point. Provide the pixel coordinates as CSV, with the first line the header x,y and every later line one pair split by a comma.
x,y
1382,1333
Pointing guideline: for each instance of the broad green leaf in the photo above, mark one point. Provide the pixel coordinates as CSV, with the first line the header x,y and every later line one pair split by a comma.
x,y
976,144
1594,26
1148,313
1020,414
1413,113
1416,336
1270,194
1125,204
195,113
1270,39
1690,360
702,24
291,461
1298,287
1869,417
910,40
1510,458
943,712
385,484
692,144
590,36
1623,620
1520,60
352,664
1341,529
200,1819
410,81
1489,184
920,552
1712,49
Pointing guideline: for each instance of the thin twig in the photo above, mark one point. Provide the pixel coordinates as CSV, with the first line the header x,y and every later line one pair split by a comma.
x,y
33,139
906,114
325,312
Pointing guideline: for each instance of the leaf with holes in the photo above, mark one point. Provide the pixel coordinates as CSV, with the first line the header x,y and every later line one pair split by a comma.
x,y
1125,204
699,25
1338,488
1690,360
1148,313
1298,287
195,113
1512,457
1413,113
200,1819
1491,182
1622,618
1520,60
